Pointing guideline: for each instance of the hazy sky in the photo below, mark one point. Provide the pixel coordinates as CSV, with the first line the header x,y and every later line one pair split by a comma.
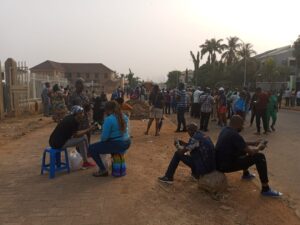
x,y
152,37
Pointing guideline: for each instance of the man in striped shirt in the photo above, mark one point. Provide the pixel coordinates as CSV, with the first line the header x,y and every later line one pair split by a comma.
x,y
181,107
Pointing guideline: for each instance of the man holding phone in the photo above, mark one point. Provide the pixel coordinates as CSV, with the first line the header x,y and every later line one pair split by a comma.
x,y
233,153
198,154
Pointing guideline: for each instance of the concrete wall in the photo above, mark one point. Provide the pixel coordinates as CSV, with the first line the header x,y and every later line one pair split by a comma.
x,y
1,96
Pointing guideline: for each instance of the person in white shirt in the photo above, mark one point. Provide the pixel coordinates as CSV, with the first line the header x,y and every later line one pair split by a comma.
x,y
298,97
287,96
195,112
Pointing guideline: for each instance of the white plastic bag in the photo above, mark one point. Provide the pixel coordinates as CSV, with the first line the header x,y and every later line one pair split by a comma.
x,y
75,160
106,159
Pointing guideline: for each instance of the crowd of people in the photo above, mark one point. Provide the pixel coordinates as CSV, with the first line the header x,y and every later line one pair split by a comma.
x,y
214,105
82,115
231,152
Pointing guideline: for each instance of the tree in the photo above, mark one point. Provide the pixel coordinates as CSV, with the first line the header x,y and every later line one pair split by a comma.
x,y
132,81
230,56
284,72
212,47
196,61
246,50
296,52
173,79
268,69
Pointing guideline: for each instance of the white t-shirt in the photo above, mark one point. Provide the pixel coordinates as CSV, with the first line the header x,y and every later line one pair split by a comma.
x,y
298,94
196,96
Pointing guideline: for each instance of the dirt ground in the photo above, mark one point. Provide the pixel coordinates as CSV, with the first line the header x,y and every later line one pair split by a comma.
x,y
138,198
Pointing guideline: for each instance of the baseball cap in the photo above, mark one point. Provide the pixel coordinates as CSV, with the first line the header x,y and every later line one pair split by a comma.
x,y
76,109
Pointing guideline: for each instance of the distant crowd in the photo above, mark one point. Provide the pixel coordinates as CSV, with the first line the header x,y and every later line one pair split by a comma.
x,y
219,105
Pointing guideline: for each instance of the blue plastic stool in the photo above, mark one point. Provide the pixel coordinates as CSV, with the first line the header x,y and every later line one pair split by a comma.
x,y
55,164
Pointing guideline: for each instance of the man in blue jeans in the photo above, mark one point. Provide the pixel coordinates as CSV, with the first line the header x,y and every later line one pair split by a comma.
x,y
198,154
181,107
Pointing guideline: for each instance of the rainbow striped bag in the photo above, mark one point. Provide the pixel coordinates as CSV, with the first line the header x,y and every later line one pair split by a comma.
x,y
118,165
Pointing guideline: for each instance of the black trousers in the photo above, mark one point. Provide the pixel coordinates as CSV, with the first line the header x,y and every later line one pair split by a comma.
x,y
168,108
180,118
252,116
204,121
244,162
287,101
186,159
261,114
196,110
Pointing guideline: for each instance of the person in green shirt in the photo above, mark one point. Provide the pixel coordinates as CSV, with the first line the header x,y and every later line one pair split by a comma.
x,y
272,109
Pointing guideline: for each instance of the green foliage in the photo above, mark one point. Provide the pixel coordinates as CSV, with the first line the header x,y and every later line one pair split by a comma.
x,y
132,81
230,56
268,69
246,50
296,52
196,61
212,47
173,79
271,72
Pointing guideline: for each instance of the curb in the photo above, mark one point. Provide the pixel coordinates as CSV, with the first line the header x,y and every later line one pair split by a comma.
x,y
291,109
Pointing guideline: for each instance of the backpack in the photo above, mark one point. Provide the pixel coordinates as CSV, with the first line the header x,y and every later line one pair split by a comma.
x,y
204,155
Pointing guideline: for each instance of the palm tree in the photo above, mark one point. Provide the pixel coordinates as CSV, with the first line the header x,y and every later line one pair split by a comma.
x,y
230,56
212,47
196,61
246,50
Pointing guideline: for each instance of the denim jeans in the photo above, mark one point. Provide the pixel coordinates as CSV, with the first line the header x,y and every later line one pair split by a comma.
x,y
204,121
186,159
180,118
107,147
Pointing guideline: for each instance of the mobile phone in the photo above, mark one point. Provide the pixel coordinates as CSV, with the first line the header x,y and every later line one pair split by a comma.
x,y
98,125
264,142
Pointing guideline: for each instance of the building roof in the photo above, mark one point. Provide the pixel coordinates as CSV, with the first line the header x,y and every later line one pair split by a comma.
x,y
72,67
48,65
85,67
273,52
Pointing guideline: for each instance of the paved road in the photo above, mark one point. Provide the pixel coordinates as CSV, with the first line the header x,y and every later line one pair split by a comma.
x,y
283,152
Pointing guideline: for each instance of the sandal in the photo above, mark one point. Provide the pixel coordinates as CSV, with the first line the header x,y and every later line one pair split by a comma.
x,y
100,174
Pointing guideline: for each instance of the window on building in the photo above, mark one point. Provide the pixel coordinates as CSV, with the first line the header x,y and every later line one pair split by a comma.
x,y
292,62
78,75
105,75
68,75
87,75
96,75
284,62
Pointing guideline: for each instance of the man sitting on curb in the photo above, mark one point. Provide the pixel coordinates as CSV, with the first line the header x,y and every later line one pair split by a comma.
x,y
234,154
200,158
66,134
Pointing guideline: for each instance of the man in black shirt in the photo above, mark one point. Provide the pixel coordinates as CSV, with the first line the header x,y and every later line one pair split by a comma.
x,y
234,154
66,134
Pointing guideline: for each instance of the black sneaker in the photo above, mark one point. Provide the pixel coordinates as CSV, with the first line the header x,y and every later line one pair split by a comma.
x,y
165,179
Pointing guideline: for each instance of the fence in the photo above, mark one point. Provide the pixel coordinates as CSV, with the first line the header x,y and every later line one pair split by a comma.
x,y
267,86
22,89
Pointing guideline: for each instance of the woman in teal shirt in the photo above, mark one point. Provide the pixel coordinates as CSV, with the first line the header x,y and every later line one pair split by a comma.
x,y
115,137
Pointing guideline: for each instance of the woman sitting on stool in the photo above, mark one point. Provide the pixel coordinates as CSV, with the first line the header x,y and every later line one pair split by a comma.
x,y
114,138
